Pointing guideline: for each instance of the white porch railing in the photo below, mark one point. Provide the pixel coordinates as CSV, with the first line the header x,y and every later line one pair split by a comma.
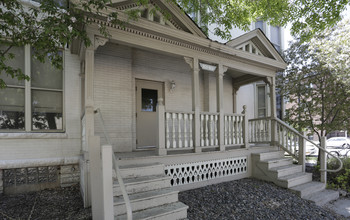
x,y
209,129
234,129
188,130
178,130
259,130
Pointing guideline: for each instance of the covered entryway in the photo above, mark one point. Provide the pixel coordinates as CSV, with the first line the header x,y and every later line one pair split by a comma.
x,y
147,95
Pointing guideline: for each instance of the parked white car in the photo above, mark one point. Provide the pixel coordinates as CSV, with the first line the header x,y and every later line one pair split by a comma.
x,y
338,142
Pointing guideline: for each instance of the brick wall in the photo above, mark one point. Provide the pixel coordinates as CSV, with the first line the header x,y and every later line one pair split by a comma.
x,y
117,67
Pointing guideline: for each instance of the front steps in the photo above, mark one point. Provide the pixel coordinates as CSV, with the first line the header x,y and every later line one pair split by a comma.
x,y
274,167
149,192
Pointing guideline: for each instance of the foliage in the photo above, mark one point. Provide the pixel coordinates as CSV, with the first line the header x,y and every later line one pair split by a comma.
x,y
340,180
319,97
333,49
51,25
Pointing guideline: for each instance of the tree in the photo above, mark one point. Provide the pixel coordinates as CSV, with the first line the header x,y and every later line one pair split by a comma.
x,y
319,98
51,25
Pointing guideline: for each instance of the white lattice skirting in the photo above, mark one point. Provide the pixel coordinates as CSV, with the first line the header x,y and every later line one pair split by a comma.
x,y
205,170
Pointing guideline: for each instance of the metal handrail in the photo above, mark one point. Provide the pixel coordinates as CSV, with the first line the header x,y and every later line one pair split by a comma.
x,y
116,168
305,138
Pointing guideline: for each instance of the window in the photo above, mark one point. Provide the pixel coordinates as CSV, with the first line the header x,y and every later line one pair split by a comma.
x,y
260,24
276,37
149,100
261,94
36,105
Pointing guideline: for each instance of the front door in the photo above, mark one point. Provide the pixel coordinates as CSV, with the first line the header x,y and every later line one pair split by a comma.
x,y
147,95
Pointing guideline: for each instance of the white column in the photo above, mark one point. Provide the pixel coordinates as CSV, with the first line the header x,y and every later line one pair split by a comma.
x,y
272,82
161,127
194,64
220,104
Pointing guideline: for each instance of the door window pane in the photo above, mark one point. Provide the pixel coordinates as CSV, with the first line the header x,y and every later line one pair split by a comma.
x,y
149,100
46,110
12,108
45,75
261,102
17,63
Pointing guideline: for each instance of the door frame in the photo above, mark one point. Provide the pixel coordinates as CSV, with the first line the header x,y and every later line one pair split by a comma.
x,y
136,80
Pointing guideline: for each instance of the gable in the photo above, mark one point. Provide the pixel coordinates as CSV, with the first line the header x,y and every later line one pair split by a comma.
x,y
178,19
255,42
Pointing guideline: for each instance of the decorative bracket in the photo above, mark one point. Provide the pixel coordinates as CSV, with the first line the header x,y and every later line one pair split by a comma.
x,y
99,41
189,61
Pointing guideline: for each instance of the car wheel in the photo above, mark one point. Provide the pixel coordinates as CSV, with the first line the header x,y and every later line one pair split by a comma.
x,y
334,153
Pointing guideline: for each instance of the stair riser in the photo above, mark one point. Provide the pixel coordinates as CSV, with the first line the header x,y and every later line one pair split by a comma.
x,y
286,172
142,171
142,187
333,196
176,214
309,191
267,156
280,163
146,203
294,182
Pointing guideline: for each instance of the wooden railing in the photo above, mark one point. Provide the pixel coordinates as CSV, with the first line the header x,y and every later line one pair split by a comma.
x,y
198,130
178,130
234,129
259,130
209,129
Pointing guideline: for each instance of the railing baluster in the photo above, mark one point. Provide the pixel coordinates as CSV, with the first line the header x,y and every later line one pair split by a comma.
x,y
202,130
206,130
179,130
185,130
216,130
167,129
191,138
174,131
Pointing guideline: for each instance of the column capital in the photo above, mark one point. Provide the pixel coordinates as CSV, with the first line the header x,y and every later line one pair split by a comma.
x,y
270,80
221,70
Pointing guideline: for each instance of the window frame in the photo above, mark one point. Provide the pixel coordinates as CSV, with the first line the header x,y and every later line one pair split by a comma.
x,y
28,119
257,85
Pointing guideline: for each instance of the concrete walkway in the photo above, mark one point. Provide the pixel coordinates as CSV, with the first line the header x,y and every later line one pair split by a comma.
x,y
341,207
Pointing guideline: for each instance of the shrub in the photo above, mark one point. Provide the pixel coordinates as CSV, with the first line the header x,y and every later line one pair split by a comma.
x,y
341,179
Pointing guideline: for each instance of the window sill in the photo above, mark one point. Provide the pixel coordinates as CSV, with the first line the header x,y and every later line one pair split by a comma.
x,y
33,135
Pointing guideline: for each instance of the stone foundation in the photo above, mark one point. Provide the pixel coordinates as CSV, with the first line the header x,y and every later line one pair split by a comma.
x,y
19,180
69,175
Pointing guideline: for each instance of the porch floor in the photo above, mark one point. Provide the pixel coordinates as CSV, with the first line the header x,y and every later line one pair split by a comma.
x,y
153,153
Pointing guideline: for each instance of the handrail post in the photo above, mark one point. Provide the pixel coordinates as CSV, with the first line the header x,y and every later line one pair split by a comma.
x,y
107,182
302,151
273,131
245,127
161,128
323,160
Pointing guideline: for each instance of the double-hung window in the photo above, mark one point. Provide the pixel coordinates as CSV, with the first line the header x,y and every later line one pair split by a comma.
x,y
36,105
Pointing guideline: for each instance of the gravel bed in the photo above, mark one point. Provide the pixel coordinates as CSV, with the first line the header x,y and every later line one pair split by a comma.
x,y
250,199
58,203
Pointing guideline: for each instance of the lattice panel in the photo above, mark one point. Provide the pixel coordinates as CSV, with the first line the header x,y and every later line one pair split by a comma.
x,y
205,170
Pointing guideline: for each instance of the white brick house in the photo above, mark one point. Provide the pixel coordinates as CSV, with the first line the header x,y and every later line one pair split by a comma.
x,y
168,98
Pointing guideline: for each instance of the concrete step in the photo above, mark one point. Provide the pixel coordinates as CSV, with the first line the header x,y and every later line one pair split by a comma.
x,y
307,189
275,162
137,170
171,211
142,184
269,155
278,172
145,200
323,197
294,179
